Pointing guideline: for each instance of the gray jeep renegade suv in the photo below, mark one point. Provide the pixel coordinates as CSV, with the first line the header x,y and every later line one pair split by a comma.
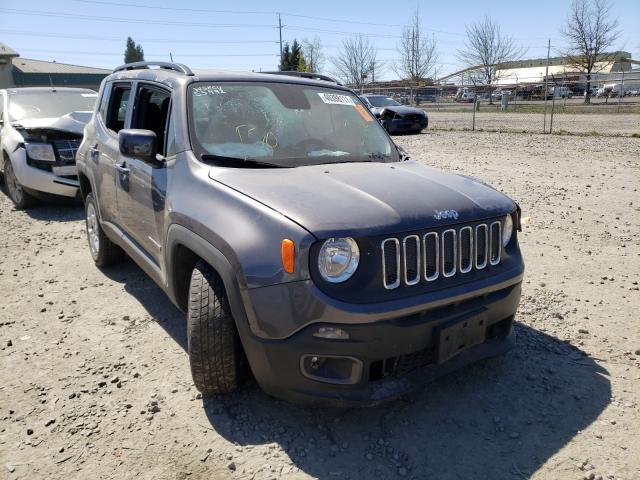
x,y
299,239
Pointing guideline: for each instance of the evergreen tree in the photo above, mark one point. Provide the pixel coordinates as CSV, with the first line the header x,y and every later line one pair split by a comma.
x,y
285,63
293,58
296,53
133,52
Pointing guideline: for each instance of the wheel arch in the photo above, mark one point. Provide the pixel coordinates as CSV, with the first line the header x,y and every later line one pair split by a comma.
x,y
85,185
183,250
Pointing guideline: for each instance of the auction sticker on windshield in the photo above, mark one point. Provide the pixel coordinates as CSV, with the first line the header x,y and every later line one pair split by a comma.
x,y
336,99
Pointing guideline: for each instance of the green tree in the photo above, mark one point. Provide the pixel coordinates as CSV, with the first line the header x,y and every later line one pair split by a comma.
x,y
293,58
133,52
285,60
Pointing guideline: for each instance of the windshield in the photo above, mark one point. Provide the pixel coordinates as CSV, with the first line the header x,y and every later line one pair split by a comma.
x,y
284,124
383,102
49,104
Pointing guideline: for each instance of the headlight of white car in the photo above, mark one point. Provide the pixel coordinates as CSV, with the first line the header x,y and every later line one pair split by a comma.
x,y
41,151
507,230
338,259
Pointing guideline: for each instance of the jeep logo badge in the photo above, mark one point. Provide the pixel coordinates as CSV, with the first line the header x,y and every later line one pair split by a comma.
x,y
444,214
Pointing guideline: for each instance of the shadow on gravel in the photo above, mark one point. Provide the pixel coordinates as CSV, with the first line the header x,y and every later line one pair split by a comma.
x,y
60,211
151,297
501,418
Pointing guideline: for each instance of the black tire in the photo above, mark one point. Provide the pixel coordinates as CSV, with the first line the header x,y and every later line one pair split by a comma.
x,y
215,352
103,251
20,198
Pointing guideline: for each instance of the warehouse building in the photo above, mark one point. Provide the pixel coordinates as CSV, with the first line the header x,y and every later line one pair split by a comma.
x,y
609,65
16,71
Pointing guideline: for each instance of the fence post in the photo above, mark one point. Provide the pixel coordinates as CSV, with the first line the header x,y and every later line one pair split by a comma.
x,y
546,88
553,106
621,93
475,107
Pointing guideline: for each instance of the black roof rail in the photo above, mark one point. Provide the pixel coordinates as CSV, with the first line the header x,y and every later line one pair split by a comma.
x,y
310,75
176,67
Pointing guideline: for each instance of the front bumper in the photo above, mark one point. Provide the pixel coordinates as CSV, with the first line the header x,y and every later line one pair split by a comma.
x,y
394,356
37,180
402,125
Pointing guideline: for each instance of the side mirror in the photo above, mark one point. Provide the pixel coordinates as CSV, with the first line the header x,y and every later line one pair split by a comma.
x,y
139,144
404,155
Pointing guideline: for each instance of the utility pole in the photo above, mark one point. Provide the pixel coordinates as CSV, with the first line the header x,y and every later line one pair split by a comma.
x,y
280,29
546,88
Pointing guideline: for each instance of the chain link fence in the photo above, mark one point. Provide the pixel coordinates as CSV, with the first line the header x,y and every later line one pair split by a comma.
x,y
557,106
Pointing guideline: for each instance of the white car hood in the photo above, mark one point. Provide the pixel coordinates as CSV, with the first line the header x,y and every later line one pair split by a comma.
x,y
71,122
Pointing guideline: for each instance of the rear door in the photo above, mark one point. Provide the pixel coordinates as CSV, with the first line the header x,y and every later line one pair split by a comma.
x,y
113,115
142,189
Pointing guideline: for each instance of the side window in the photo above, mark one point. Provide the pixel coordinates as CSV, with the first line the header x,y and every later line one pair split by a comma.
x,y
1,105
151,112
104,102
118,103
171,136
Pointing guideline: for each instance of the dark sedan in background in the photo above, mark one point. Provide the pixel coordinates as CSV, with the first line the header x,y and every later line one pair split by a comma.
x,y
395,117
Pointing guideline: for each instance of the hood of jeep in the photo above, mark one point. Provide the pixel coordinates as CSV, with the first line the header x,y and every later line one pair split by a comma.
x,y
366,199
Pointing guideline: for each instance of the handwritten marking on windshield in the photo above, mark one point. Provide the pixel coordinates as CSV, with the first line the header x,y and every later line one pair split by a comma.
x,y
208,90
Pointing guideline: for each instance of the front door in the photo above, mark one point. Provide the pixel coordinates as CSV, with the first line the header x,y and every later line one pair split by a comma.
x,y
113,116
142,186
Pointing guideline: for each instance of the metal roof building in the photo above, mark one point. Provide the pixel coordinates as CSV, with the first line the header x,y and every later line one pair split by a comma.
x,y
16,71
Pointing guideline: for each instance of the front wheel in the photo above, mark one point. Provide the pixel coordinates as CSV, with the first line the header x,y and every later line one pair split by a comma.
x,y
20,198
103,251
215,353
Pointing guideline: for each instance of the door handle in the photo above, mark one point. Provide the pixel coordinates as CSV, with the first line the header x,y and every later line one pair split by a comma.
x,y
94,152
122,168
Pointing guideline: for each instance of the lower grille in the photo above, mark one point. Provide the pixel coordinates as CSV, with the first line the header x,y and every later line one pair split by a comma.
x,y
401,365
413,117
444,254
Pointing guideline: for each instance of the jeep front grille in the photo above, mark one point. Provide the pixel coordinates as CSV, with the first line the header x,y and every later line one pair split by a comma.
x,y
454,251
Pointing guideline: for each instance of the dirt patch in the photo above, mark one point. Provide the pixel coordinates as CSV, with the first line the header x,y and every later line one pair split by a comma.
x,y
95,380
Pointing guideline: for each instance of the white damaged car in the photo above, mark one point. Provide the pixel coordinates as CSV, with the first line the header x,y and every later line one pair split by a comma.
x,y
40,131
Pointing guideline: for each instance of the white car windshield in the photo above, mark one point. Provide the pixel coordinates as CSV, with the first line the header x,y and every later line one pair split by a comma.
x,y
284,124
383,102
49,104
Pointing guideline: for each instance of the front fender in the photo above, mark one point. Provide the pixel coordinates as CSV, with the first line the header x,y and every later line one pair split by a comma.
x,y
235,286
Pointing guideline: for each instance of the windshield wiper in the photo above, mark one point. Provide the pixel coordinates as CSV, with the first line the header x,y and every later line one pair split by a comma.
x,y
222,161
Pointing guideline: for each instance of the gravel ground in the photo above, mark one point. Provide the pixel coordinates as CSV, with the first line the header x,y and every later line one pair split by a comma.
x,y
95,380
625,124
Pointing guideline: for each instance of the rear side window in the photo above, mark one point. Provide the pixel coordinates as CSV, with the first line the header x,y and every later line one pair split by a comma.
x,y
118,105
104,102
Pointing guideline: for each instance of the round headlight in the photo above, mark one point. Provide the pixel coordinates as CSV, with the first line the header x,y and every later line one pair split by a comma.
x,y
507,230
338,259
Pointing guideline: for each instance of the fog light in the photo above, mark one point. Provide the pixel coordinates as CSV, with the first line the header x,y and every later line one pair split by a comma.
x,y
331,369
331,333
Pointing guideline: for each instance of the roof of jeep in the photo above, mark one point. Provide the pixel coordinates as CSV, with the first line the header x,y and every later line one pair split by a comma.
x,y
17,91
176,79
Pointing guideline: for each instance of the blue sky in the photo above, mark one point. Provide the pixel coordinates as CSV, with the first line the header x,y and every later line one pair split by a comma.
x,y
243,35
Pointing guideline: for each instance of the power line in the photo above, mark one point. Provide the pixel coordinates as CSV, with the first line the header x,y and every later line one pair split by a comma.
x,y
263,12
237,12
76,52
120,39
130,20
